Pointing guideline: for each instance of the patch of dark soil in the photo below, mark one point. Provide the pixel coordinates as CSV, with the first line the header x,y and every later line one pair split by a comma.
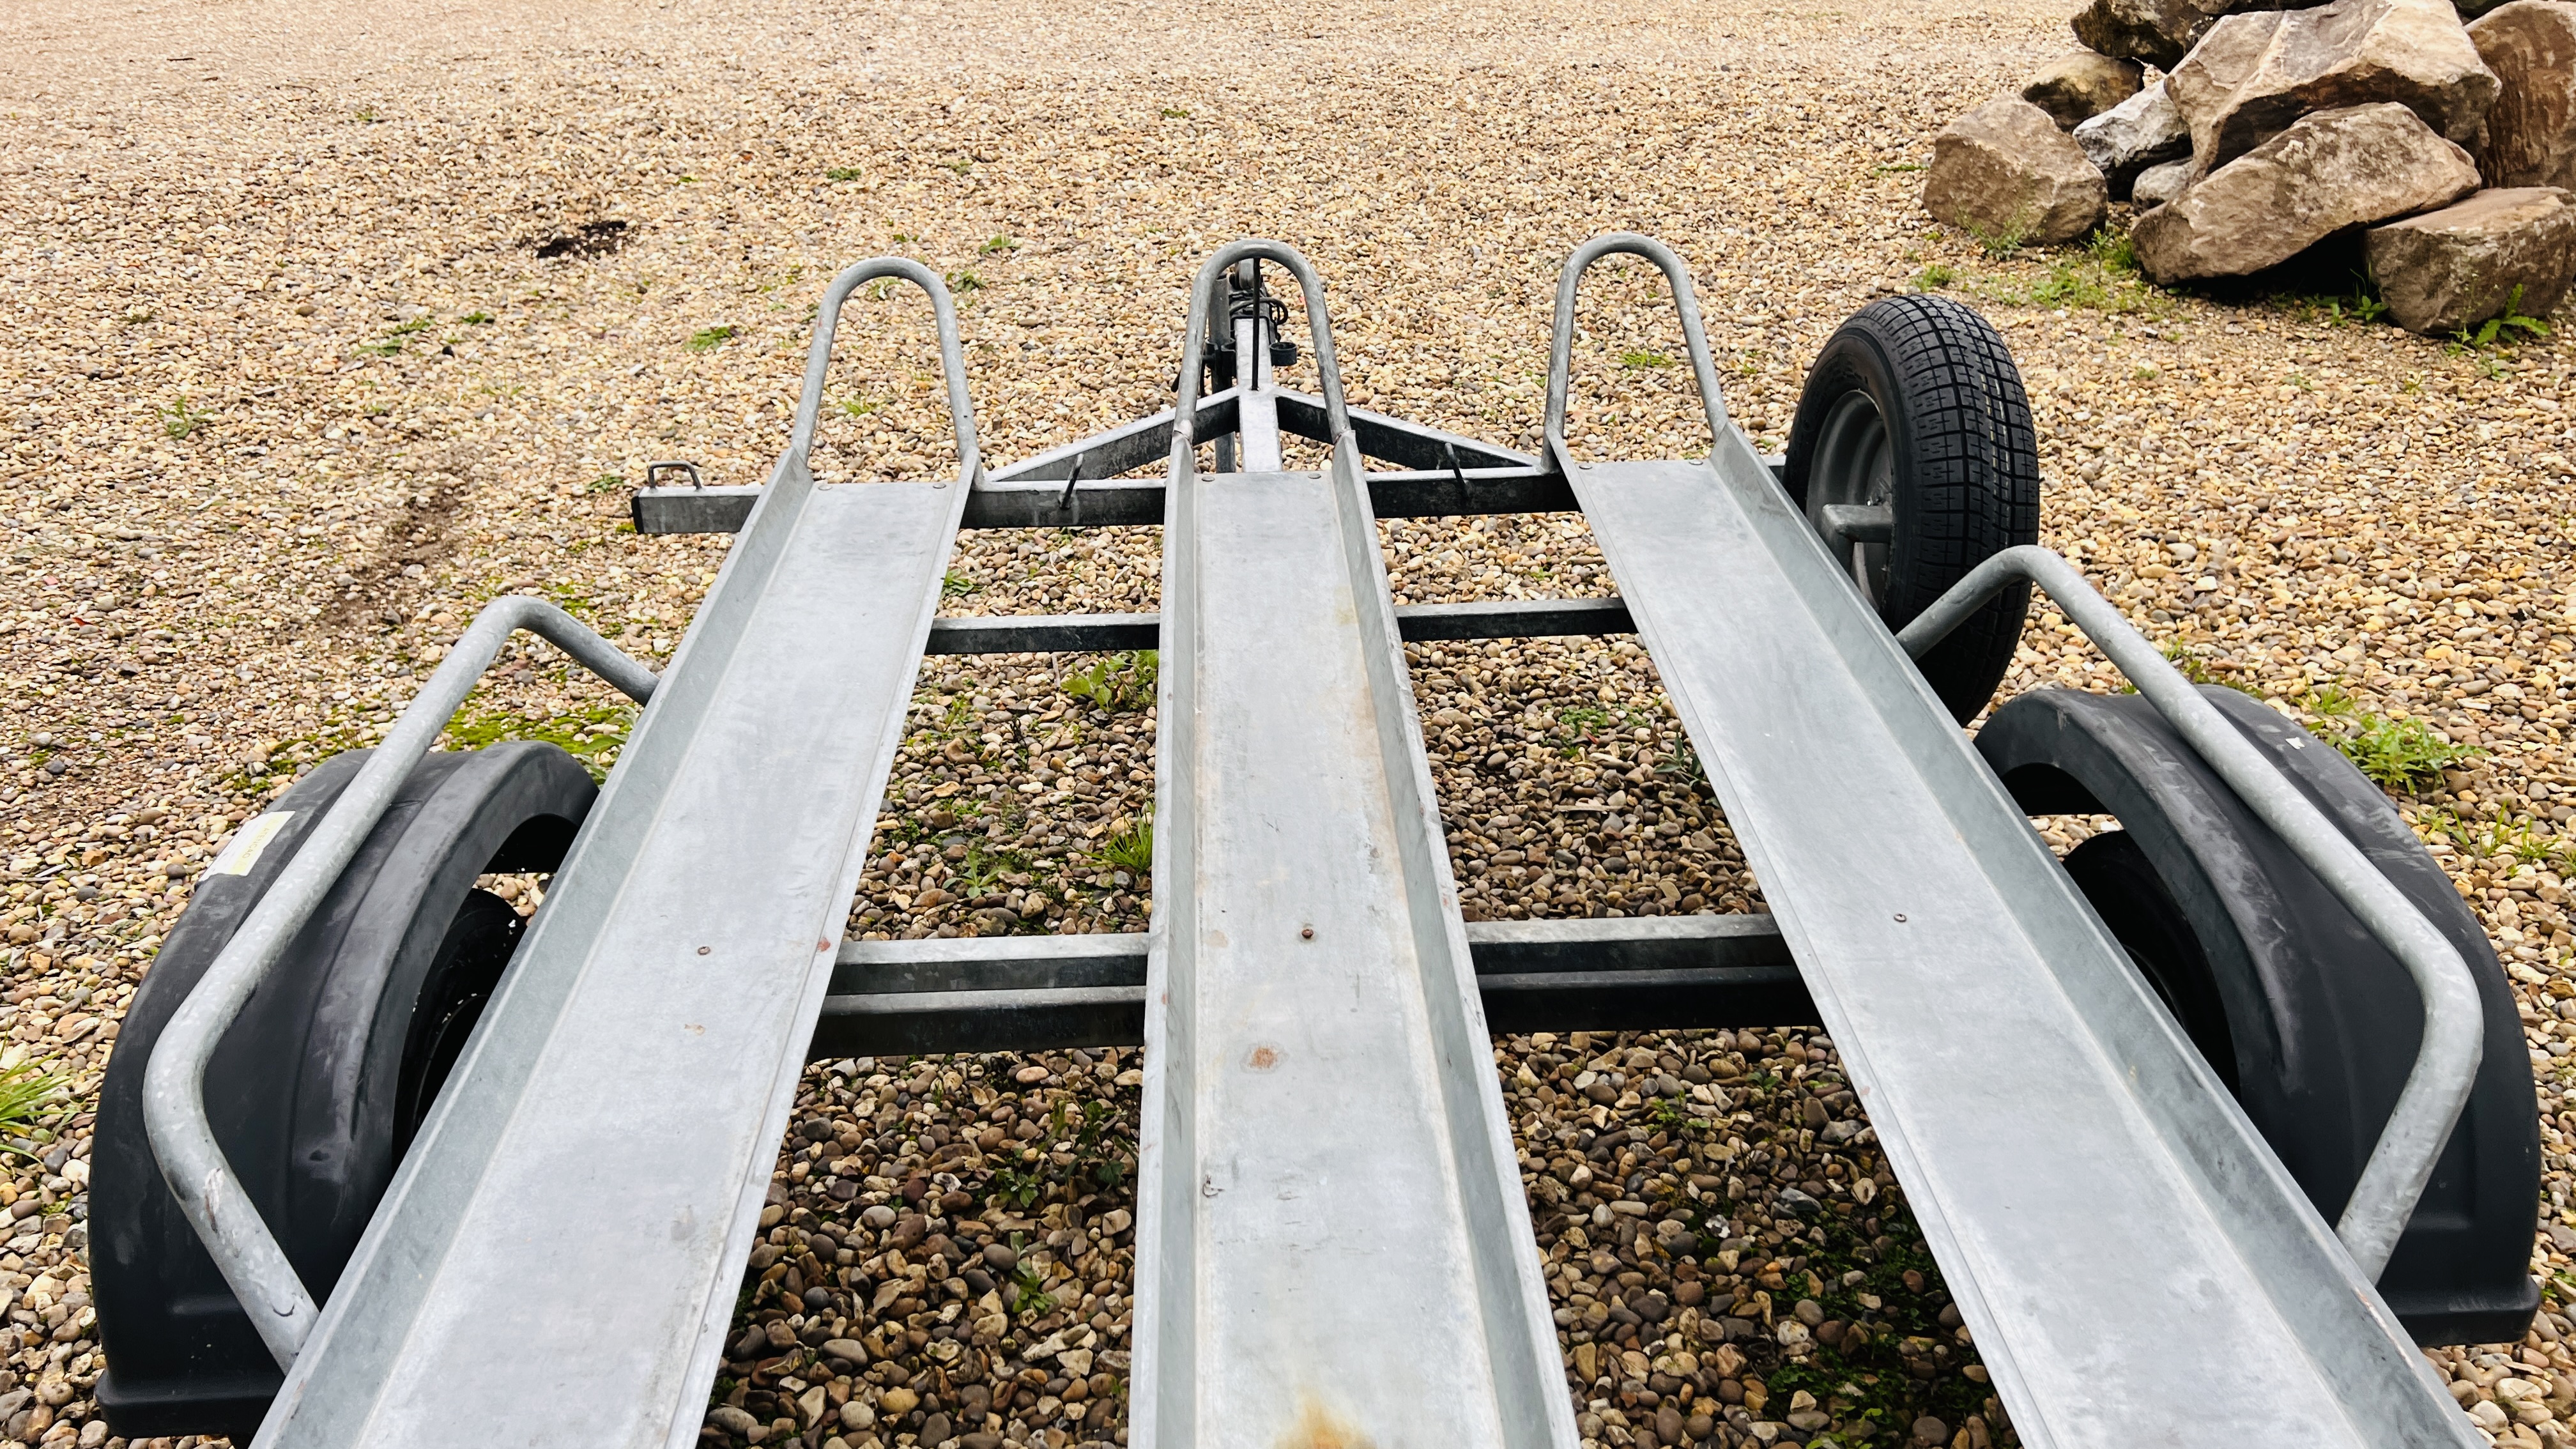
x,y
583,242
415,541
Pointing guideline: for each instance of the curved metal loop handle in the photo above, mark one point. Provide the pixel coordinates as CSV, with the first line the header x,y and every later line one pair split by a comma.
x,y
952,357
1560,352
1337,413
2446,1062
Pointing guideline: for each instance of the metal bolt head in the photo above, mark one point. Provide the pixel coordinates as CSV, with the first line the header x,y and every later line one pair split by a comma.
x,y
1306,933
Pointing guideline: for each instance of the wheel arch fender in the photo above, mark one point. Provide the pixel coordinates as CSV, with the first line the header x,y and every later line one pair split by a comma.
x,y
299,1091
464,814
2325,1020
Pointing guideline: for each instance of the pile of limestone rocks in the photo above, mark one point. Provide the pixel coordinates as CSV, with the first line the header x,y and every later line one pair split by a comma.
x,y
2247,134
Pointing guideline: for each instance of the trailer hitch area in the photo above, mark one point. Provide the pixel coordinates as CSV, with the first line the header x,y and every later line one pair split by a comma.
x,y
1246,300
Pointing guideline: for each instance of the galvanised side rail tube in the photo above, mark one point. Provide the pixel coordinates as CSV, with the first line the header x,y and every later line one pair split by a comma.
x,y
174,1081
2446,1064
1560,351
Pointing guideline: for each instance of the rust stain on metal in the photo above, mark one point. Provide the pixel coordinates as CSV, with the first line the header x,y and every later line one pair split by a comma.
x,y
1263,1058
1321,1428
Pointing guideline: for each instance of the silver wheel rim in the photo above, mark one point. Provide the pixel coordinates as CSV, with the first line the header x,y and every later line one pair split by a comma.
x,y
1855,465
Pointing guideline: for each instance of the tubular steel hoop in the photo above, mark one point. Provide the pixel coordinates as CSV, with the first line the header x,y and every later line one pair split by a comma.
x,y
2446,1064
1203,306
1560,352
952,360
174,1080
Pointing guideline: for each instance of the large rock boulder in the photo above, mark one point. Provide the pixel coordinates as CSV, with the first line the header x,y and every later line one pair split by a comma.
x,y
2140,132
2333,170
2162,183
2006,173
2531,130
2079,86
2254,74
2452,268
2158,32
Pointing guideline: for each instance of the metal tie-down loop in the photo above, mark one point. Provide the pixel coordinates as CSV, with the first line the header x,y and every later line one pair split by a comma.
x,y
952,362
1194,337
1560,352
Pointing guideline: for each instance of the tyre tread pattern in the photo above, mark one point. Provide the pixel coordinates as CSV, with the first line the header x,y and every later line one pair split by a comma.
x,y
1966,439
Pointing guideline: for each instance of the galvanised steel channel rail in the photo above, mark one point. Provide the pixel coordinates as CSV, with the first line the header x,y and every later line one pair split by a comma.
x,y
1333,1245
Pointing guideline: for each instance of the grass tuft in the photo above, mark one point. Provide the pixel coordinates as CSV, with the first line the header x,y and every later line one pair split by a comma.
x,y
1132,850
2001,242
28,1093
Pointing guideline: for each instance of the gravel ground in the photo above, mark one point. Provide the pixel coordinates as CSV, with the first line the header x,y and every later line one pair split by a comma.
x,y
334,324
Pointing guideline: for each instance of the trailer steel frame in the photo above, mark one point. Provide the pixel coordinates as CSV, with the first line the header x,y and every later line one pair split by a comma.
x,y
2135,1265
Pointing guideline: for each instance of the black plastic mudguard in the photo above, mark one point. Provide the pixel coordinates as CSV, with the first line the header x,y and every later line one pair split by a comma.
x,y
2324,1020
302,1089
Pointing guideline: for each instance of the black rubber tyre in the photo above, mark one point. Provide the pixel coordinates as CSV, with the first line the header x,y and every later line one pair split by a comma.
x,y
1915,405
317,1089
2116,876
2310,1021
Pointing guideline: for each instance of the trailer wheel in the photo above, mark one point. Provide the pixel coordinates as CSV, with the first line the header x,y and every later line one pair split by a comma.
x,y
317,1089
1912,454
2308,1020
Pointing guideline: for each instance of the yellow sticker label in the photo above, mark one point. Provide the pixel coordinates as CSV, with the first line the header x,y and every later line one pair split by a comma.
x,y
253,838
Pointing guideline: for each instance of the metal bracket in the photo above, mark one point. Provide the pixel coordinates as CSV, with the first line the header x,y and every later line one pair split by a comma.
x,y
1560,352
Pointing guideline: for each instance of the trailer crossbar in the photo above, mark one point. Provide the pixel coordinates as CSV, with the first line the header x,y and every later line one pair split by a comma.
x,y
1040,993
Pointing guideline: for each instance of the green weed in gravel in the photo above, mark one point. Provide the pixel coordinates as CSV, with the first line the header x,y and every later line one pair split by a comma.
x,y
2102,277
592,736
1119,683
1132,850
2399,754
